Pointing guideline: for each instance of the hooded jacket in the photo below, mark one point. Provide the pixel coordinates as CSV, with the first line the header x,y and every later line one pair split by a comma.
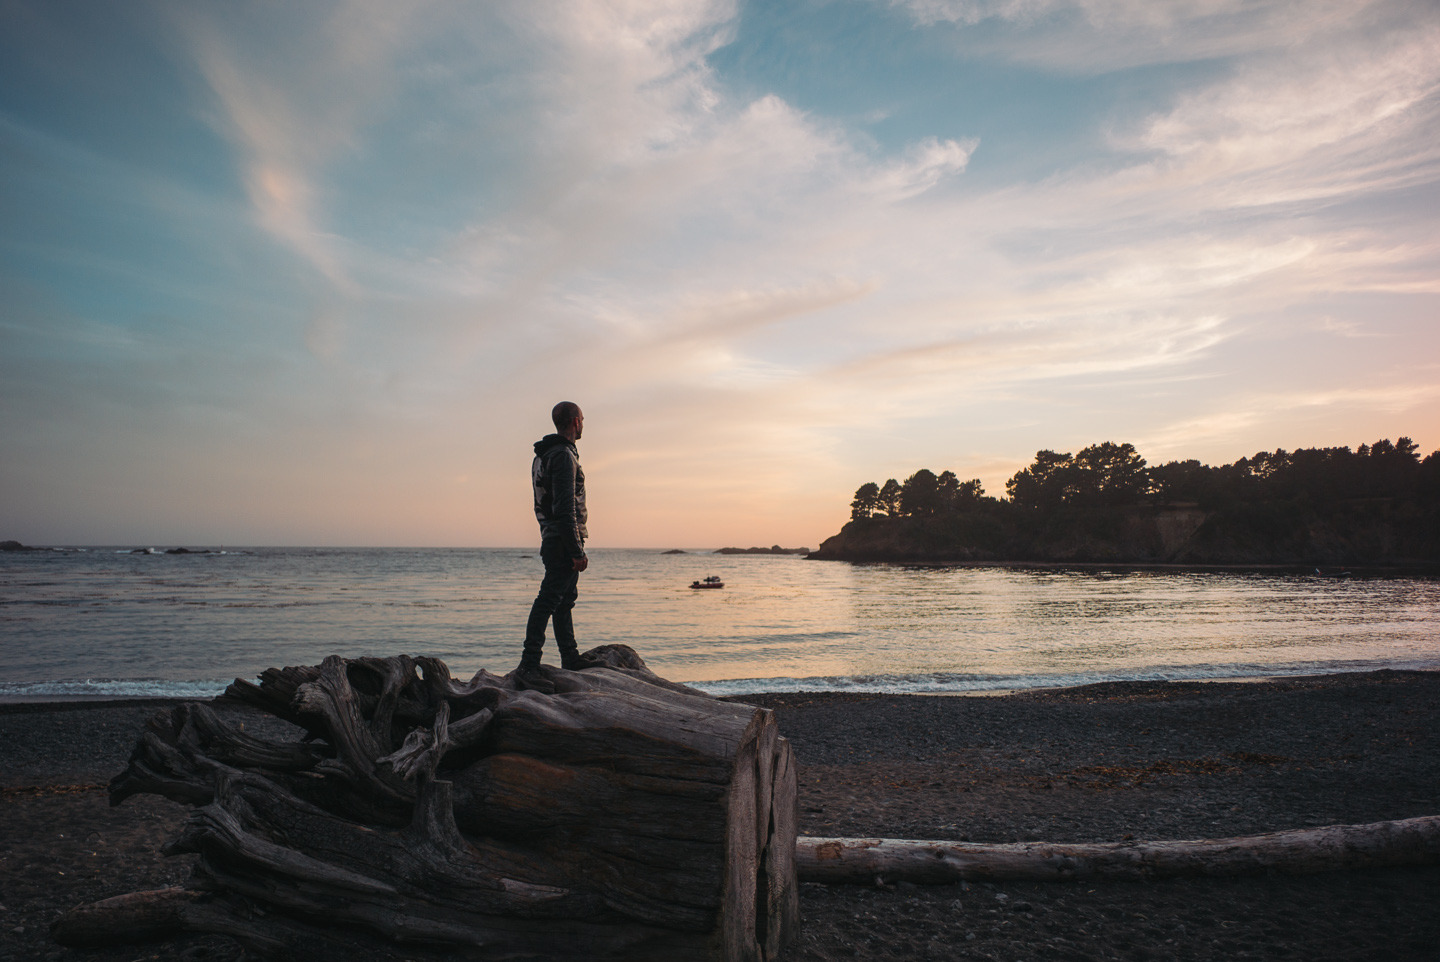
x,y
559,484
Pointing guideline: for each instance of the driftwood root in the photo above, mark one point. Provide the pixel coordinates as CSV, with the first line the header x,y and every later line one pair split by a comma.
x,y
613,815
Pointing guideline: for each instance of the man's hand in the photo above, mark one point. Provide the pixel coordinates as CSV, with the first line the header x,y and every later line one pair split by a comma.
x,y
581,563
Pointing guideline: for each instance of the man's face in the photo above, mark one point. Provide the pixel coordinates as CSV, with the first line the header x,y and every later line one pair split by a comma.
x,y
579,424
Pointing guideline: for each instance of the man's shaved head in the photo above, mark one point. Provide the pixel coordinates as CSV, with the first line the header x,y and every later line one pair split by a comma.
x,y
563,413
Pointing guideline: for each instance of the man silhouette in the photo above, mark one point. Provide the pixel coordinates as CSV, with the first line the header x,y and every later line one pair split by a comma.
x,y
559,484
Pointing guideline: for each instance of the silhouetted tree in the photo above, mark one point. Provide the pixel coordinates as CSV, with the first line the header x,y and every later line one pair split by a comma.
x,y
956,495
1394,470
920,495
1107,473
1324,476
867,501
1182,481
890,498
1378,501
1044,483
1428,480
947,490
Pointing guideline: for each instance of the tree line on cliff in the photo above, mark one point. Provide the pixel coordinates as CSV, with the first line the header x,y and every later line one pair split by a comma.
x,y
1378,503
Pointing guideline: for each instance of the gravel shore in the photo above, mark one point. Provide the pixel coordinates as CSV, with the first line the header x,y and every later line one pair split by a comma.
x,y
1143,760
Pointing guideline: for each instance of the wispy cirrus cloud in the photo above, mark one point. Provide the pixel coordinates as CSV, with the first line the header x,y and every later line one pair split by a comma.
x,y
1354,115
1107,35
290,99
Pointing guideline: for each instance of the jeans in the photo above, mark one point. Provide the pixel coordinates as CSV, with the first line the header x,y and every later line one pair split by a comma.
x,y
558,592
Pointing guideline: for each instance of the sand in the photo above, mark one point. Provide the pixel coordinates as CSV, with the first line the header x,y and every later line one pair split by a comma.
x,y
1101,763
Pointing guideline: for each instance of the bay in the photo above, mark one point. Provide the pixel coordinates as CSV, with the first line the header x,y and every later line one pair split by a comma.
x,y
107,622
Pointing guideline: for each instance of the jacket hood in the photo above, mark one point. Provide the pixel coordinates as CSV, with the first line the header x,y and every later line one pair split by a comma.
x,y
550,442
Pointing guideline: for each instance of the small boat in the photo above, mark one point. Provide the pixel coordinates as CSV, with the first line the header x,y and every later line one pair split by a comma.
x,y
711,582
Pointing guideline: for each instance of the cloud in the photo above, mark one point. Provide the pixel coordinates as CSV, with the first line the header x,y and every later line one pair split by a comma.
x,y
645,191
962,298
292,99
1331,325
1090,36
442,216
1350,116
1037,352
924,166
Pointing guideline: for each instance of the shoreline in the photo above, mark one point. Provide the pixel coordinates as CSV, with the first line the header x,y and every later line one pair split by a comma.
x,y
11,703
1417,568
1112,761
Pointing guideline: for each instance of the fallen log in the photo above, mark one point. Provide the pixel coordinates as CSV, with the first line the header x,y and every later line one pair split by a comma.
x,y
863,861
613,815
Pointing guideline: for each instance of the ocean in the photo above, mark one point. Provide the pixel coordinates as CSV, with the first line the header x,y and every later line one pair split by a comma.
x,y
117,623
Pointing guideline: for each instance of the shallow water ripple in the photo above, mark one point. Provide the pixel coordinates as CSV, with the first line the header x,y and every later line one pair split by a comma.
x,y
114,623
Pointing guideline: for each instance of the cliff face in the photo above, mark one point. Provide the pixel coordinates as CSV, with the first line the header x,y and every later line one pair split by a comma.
x,y
1372,532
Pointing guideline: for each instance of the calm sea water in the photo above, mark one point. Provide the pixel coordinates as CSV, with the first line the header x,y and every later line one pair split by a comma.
x,y
110,623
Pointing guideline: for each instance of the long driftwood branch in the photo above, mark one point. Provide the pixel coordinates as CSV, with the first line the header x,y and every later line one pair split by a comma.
x,y
1413,841
612,815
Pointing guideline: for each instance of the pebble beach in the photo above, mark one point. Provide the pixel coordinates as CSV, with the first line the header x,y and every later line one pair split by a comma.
x,y
1109,762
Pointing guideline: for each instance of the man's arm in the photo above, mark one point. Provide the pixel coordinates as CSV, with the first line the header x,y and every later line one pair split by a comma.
x,y
561,465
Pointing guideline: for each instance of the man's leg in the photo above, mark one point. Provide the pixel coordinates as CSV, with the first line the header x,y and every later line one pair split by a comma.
x,y
563,620
556,598
554,588
565,637
535,634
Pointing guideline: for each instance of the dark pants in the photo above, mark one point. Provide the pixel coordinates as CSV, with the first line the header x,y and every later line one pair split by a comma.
x,y
558,592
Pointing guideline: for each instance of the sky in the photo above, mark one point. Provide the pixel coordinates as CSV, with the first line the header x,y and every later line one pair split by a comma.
x,y
314,274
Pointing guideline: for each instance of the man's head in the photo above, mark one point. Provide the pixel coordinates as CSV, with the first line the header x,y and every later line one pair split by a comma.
x,y
569,421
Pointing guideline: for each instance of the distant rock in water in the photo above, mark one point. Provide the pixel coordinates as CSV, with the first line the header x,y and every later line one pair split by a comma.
x,y
174,551
673,551
15,546
773,549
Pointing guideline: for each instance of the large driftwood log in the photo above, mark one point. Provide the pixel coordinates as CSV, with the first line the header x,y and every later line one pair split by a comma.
x,y
619,816
1413,841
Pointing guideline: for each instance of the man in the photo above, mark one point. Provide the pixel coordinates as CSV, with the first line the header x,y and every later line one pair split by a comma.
x,y
559,484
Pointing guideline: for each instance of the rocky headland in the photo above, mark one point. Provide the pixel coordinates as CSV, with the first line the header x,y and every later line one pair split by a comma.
x,y
1378,505
1363,535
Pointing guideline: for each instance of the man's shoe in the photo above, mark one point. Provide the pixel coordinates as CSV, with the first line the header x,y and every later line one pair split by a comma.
x,y
533,679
